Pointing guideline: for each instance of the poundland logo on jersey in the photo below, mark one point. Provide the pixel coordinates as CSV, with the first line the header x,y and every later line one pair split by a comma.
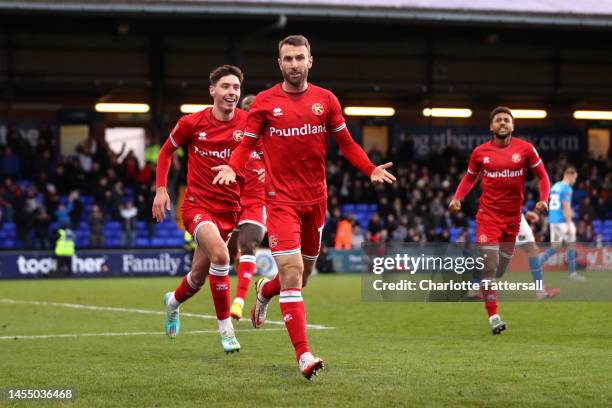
x,y
223,154
306,129
504,173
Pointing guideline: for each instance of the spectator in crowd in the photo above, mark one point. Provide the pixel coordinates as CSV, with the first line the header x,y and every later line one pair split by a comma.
x,y
25,210
130,170
344,233
8,199
331,225
324,263
584,232
357,237
10,165
42,221
97,220
77,209
128,215
412,209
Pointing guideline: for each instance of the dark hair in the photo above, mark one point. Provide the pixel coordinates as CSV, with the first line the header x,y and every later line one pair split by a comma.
x,y
224,70
500,109
295,40
570,170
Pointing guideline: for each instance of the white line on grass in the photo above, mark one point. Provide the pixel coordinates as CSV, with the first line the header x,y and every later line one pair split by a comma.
x,y
73,335
132,310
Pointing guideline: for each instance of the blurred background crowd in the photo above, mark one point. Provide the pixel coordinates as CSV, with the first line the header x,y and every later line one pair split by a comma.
x,y
106,196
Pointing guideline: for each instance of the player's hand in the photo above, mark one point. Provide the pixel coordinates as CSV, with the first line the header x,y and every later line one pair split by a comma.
x,y
454,206
542,207
261,175
161,203
381,175
225,175
532,216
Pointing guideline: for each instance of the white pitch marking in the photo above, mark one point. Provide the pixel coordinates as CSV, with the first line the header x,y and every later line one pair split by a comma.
x,y
73,335
132,310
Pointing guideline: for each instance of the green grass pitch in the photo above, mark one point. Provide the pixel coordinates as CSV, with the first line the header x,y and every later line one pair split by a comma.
x,y
378,354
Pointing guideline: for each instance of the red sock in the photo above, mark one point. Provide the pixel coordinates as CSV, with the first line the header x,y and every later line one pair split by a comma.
x,y
271,288
220,289
246,270
294,315
490,301
185,289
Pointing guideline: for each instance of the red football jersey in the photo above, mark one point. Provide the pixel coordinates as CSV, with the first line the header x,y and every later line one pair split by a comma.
x,y
503,176
294,129
209,142
253,194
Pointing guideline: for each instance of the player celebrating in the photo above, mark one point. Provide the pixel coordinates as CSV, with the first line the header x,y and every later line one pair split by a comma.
x,y
251,224
562,228
209,211
503,161
294,119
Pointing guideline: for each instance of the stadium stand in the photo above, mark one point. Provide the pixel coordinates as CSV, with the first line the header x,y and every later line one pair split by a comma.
x,y
39,196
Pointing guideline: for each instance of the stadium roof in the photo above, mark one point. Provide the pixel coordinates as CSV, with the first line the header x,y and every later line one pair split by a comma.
x,y
576,13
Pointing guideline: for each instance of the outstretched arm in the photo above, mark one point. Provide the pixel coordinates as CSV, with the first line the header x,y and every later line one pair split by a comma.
x,y
543,186
226,173
360,160
464,188
161,203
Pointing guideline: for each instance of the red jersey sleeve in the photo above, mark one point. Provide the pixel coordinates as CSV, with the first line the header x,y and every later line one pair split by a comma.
x,y
536,165
256,121
351,150
474,166
335,120
182,133
242,154
533,158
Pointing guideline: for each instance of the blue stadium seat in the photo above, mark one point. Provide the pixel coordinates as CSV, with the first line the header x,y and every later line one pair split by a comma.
x,y
158,242
112,233
162,233
143,242
8,226
174,242
362,207
7,243
112,241
348,208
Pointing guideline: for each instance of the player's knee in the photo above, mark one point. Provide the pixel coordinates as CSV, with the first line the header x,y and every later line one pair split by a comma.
x,y
220,257
294,272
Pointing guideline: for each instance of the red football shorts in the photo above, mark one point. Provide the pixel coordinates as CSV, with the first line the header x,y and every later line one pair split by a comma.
x,y
253,215
296,229
492,231
196,216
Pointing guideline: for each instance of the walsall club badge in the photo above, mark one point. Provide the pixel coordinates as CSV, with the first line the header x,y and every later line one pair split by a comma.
x,y
516,158
483,238
238,135
273,241
317,109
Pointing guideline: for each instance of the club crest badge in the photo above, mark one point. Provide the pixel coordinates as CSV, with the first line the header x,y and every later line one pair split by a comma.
x,y
317,109
238,135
